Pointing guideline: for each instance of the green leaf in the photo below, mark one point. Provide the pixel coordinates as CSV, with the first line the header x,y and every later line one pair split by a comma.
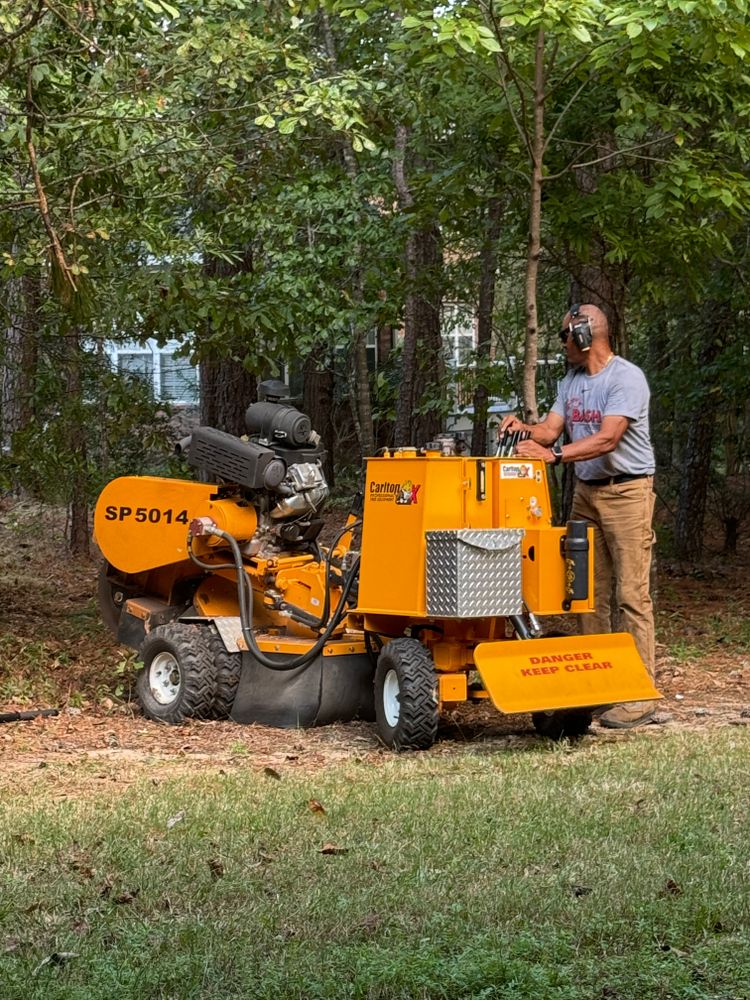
x,y
172,11
39,72
266,121
582,33
634,29
491,44
286,125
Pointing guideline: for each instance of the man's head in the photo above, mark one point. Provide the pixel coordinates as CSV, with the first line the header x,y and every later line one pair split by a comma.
x,y
584,326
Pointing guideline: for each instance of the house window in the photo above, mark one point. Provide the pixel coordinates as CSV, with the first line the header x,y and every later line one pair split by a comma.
x,y
459,334
139,364
178,379
168,375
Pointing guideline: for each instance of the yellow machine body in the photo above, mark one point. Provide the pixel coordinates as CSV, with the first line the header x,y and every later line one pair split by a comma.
x,y
141,522
141,526
407,496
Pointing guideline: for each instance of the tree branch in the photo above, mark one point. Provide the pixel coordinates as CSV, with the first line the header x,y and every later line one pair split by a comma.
x,y
57,249
34,19
506,66
399,177
630,151
90,43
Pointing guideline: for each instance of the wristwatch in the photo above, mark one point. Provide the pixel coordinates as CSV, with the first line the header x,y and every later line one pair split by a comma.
x,y
556,450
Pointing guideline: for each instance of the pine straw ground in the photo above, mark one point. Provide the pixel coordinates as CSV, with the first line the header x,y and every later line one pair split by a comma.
x,y
54,652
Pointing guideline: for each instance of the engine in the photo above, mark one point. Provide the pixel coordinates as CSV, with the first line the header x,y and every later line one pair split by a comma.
x,y
277,466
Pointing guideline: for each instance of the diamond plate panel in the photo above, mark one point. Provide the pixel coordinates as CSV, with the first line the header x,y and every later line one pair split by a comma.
x,y
474,573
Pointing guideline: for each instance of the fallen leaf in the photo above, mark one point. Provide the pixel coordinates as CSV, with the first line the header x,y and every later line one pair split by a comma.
x,y
127,896
56,958
673,951
217,868
314,806
333,849
173,820
370,923
271,773
671,888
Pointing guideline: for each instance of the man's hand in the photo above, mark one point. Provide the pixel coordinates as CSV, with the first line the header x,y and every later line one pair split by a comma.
x,y
530,449
511,423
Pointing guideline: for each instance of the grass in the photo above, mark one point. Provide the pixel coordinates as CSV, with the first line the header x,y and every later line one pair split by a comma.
x,y
572,873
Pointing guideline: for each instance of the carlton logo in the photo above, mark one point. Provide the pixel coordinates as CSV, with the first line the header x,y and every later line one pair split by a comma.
x,y
405,493
569,662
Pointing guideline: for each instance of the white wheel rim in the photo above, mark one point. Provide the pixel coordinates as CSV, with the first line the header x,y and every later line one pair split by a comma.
x,y
164,678
391,698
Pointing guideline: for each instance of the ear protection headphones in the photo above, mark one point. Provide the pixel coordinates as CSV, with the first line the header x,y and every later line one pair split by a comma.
x,y
580,329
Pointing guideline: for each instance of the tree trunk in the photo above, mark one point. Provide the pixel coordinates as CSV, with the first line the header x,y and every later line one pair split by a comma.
x,y
691,504
662,414
530,407
385,343
362,402
19,357
226,387
430,368
487,275
597,280
317,403
78,484
421,356
226,391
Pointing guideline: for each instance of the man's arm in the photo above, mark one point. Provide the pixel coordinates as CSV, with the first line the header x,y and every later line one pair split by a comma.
x,y
546,432
604,441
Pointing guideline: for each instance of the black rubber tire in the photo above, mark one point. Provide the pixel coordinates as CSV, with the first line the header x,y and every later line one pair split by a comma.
x,y
178,679
228,670
405,674
570,723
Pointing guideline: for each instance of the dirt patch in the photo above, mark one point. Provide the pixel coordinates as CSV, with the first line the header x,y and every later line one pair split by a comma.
x,y
54,652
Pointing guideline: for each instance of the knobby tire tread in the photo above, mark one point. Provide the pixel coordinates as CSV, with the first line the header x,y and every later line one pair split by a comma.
x,y
198,670
418,716
228,670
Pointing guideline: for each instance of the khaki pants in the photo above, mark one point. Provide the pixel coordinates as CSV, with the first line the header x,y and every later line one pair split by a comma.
x,y
623,539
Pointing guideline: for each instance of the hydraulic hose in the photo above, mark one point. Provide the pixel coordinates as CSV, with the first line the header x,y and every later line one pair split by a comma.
x,y
245,601
329,556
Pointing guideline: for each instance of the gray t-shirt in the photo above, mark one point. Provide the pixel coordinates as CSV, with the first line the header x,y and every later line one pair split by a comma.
x,y
620,389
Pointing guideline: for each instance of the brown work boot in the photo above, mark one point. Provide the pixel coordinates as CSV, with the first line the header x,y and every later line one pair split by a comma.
x,y
628,716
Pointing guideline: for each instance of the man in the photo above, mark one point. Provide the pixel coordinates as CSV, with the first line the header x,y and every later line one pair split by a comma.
x,y
602,403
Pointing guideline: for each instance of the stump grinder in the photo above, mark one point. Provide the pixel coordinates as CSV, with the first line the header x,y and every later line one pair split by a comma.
x,y
237,610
